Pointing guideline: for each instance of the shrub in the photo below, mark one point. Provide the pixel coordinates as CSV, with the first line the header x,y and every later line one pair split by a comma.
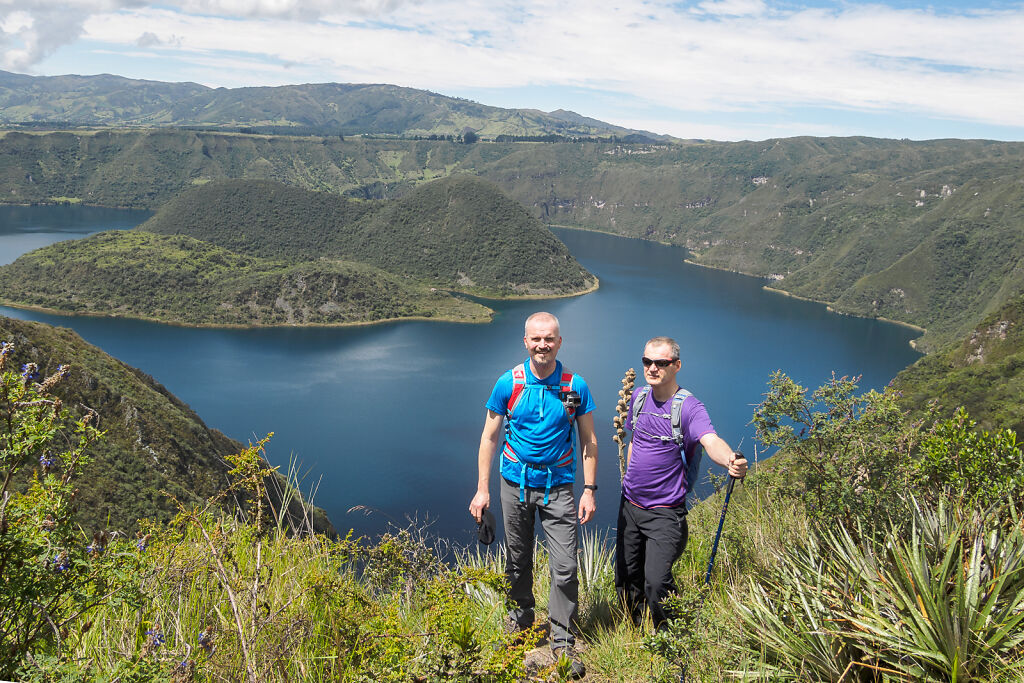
x,y
50,573
849,461
980,467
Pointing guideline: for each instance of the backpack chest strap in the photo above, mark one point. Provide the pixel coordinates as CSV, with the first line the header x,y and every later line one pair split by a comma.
x,y
519,385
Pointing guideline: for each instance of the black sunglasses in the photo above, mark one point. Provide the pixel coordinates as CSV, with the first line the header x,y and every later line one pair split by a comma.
x,y
660,362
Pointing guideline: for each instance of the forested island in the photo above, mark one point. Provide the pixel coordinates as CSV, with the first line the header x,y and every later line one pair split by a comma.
x,y
251,253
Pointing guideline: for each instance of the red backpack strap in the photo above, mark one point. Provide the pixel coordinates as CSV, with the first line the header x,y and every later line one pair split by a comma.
x,y
518,382
565,386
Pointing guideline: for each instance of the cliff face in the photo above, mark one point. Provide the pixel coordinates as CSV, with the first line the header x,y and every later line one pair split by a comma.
x,y
154,442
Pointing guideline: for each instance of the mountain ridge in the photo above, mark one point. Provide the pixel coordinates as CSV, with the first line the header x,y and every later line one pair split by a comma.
x,y
325,108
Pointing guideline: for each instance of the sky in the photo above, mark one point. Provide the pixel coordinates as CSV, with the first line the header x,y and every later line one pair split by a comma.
x,y
711,69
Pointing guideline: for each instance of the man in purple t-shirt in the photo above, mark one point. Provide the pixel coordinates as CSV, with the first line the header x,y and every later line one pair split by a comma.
x,y
652,530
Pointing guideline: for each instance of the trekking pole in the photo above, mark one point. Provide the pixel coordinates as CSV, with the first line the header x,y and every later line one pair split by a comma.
x,y
721,523
711,560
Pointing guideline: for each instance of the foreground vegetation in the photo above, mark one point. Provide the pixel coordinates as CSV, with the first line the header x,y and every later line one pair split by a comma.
x,y
908,570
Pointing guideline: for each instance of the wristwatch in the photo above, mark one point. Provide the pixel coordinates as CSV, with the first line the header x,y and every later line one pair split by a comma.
x,y
592,487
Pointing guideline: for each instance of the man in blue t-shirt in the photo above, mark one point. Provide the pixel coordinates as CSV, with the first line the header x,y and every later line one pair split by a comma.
x,y
541,401
652,530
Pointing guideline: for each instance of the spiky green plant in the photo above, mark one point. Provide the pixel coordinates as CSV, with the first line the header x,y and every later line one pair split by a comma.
x,y
939,600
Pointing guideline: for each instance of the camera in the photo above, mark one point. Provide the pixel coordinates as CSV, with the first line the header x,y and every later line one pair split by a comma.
x,y
571,399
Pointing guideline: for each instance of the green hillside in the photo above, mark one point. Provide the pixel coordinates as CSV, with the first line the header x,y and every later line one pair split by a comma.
x,y
464,233
984,373
459,233
873,227
154,442
262,218
178,279
322,108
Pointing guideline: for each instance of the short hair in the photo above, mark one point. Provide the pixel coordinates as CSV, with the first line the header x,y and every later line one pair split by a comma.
x,y
671,343
541,314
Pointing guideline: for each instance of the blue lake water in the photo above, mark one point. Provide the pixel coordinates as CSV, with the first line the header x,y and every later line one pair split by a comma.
x,y
388,417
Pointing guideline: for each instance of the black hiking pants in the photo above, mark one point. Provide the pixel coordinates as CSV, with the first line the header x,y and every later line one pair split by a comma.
x,y
647,544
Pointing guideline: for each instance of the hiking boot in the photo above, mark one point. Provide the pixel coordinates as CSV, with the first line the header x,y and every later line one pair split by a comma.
x,y
575,665
516,632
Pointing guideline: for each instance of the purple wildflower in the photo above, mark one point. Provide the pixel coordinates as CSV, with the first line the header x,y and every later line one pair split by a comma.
x,y
155,636
29,372
142,543
206,640
61,562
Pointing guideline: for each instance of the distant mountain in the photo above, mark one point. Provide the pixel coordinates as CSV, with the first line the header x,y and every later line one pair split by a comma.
x,y
244,252
322,108
153,443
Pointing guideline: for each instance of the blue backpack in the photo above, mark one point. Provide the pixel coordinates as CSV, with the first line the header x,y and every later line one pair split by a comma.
x,y
676,418
567,460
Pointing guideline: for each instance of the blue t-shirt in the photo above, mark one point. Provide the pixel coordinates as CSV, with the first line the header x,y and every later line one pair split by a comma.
x,y
538,432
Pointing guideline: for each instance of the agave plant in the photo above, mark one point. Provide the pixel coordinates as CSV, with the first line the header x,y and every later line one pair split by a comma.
x,y
791,620
949,609
596,561
939,600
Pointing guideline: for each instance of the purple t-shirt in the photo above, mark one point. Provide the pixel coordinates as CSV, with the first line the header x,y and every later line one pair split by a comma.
x,y
656,476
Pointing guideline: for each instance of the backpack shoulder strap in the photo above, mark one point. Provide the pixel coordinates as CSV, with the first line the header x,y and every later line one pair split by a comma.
x,y
564,387
518,382
692,464
638,402
677,414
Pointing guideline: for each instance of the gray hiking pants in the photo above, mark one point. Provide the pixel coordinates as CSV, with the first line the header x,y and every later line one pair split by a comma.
x,y
558,520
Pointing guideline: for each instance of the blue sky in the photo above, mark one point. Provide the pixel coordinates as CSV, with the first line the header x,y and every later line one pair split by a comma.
x,y
715,69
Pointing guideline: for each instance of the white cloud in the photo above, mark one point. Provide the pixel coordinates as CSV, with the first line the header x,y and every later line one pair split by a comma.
x,y
735,8
720,55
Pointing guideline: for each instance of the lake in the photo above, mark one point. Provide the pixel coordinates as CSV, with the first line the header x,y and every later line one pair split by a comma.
x,y
387,418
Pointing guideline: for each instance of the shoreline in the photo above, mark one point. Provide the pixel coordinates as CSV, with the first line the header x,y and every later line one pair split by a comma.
x,y
7,202
724,269
768,288
832,309
237,326
828,306
354,323
530,297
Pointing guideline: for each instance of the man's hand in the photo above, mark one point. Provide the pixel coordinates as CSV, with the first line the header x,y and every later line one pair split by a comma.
x,y
588,506
481,501
738,466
